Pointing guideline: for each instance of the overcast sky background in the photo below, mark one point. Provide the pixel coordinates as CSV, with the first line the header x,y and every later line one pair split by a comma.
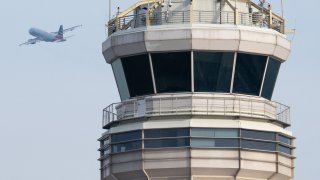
x,y
52,94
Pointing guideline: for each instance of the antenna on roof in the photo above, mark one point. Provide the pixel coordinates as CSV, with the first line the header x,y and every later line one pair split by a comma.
x,y
282,8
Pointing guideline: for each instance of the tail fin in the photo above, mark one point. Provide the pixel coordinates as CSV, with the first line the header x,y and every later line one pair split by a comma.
x,y
60,32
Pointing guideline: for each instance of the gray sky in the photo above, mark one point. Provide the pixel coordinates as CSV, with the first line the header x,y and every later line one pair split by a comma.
x,y
52,94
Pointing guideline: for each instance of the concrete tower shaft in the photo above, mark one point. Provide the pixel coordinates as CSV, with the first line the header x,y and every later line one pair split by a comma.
x,y
196,80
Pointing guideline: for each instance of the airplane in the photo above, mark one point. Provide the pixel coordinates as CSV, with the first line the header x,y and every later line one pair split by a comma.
x,y
48,37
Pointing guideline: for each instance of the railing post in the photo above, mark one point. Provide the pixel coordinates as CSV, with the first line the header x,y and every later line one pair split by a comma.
x,y
282,26
118,23
176,105
251,107
159,106
239,108
111,119
224,107
264,109
172,106
183,16
103,118
148,18
134,108
236,16
207,106
270,19
227,18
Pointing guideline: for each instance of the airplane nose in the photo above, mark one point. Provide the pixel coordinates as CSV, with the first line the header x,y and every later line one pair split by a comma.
x,y
31,30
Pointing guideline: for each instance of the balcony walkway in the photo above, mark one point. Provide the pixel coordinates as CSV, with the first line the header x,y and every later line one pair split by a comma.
x,y
230,105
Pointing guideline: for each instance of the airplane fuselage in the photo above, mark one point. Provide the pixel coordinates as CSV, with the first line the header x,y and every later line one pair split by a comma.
x,y
43,35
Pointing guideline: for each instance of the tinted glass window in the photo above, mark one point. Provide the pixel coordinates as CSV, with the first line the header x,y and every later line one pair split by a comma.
x,y
160,133
202,132
209,132
226,133
138,75
284,139
268,146
120,79
172,71
270,78
123,147
249,73
213,71
258,135
201,142
284,149
158,143
127,136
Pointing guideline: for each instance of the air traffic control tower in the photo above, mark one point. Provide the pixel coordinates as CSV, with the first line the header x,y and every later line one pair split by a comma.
x,y
196,79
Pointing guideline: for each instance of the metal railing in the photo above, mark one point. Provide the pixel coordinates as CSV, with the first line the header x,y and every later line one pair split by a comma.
x,y
257,19
170,17
194,105
214,17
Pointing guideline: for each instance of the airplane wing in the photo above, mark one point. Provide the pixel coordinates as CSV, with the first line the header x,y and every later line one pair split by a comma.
x,y
31,41
71,29
64,39
68,29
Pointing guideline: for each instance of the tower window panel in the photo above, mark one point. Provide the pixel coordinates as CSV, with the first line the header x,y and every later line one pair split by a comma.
x,y
172,71
258,135
161,143
129,146
202,142
202,132
284,149
213,71
267,146
284,139
138,75
160,133
127,136
210,132
226,133
270,78
249,73
120,79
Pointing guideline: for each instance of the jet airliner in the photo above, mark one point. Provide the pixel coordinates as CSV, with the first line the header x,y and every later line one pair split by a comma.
x,y
48,37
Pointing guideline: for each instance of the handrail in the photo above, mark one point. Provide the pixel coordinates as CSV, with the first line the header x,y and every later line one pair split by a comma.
x,y
128,10
197,105
271,20
207,17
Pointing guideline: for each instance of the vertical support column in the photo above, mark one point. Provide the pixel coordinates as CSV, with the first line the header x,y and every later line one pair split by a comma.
x,y
152,74
239,152
264,75
143,156
233,71
192,72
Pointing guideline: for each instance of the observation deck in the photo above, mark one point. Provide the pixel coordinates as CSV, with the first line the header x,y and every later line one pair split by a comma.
x,y
156,12
223,105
